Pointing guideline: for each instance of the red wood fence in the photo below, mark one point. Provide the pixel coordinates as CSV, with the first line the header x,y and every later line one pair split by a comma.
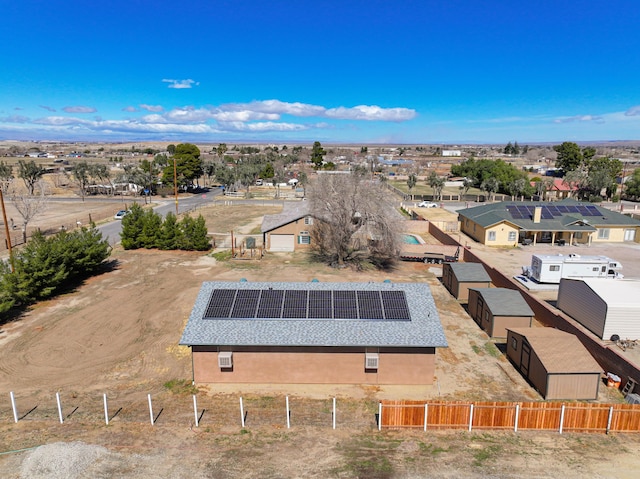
x,y
540,416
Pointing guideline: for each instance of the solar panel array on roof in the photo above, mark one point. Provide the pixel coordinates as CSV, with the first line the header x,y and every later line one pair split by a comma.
x,y
549,212
302,304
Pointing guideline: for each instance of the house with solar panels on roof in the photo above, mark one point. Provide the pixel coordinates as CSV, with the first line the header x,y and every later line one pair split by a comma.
x,y
563,222
314,333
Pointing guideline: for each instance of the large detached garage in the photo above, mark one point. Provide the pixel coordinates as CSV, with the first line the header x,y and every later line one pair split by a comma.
x,y
607,307
554,362
314,333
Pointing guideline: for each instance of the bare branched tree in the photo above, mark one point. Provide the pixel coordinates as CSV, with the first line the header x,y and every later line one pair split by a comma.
x,y
30,206
354,223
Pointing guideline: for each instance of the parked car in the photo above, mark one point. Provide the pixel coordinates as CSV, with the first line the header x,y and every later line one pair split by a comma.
x,y
121,214
427,204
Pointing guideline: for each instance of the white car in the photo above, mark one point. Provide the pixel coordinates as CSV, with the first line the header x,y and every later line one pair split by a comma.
x,y
121,214
427,204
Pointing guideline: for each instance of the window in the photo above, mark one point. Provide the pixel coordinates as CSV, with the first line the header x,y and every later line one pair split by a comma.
x,y
603,233
492,235
514,344
512,235
595,268
304,239
578,235
308,220
554,267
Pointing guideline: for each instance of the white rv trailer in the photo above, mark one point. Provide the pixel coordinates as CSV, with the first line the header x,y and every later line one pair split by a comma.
x,y
546,268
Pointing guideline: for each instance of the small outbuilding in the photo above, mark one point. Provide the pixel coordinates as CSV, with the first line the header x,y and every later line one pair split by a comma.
x,y
496,309
554,362
290,230
606,307
314,333
459,277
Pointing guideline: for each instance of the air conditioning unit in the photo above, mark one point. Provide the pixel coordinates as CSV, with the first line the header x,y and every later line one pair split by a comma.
x,y
225,359
371,360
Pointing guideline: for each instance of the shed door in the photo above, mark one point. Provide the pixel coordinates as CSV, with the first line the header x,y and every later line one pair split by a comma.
x,y
525,359
479,308
282,243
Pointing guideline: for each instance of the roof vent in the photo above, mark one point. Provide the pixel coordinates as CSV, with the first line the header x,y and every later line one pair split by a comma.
x,y
371,360
225,359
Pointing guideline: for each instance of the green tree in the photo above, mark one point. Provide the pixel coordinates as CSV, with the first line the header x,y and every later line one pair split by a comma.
x,y
437,184
151,229
30,173
412,179
490,185
132,224
82,175
171,149
188,165
602,174
508,150
194,234
6,176
317,155
570,156
632,185
170,233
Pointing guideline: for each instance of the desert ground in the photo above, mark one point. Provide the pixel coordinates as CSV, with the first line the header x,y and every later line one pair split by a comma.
x,y
118,335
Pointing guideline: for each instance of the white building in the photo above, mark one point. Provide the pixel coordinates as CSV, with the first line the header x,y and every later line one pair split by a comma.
x,y
451,153
606,308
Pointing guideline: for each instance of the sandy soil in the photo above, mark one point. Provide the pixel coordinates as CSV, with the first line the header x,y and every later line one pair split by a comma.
x,y
118,333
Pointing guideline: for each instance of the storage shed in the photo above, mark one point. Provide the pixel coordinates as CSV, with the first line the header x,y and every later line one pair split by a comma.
x,y
496,309
606,307
314,333
554,362
459,277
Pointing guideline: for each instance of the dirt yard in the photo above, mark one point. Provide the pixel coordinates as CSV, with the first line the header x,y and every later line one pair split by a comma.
x,y
118,335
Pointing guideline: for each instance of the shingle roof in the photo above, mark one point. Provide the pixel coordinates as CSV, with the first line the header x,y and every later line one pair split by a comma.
x,y
559,351
504,301
470,272
423,329
290,212
495,213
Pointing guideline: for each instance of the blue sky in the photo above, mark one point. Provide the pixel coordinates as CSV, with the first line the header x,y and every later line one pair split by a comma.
x,y
353,71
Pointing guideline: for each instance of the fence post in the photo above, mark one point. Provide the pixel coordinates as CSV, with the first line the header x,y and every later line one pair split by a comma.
x,y
150,409
106,409
13,406
426,413
379,416
561,419
195,409
288,418
609,419
470,416
241,412
515,426
334,413
59,408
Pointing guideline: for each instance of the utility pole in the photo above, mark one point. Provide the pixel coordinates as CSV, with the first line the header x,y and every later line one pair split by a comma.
x,y
6,230
175,183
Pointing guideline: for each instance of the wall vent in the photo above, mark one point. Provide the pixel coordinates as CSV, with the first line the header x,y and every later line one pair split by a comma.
x,y
225,359
371,360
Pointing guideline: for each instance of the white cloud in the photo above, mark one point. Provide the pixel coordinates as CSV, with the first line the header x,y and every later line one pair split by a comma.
x,y
48,108
579,118
188,114
261,126
130,109
151,107
180,84
15,119
633,111
79,109
244,115
59,120
276,107
371,113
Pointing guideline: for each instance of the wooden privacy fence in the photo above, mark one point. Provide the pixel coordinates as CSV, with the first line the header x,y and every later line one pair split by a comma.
x,y
538,416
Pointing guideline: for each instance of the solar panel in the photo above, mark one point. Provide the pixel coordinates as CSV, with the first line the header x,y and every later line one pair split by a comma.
x,y
246,303
563,209
220,303
320,305
270,305
303,304
593,211
395,305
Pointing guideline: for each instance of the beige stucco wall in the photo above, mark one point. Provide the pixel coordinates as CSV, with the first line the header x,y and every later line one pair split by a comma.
x,y
499,324
616,235
315,366
463,289
502,231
